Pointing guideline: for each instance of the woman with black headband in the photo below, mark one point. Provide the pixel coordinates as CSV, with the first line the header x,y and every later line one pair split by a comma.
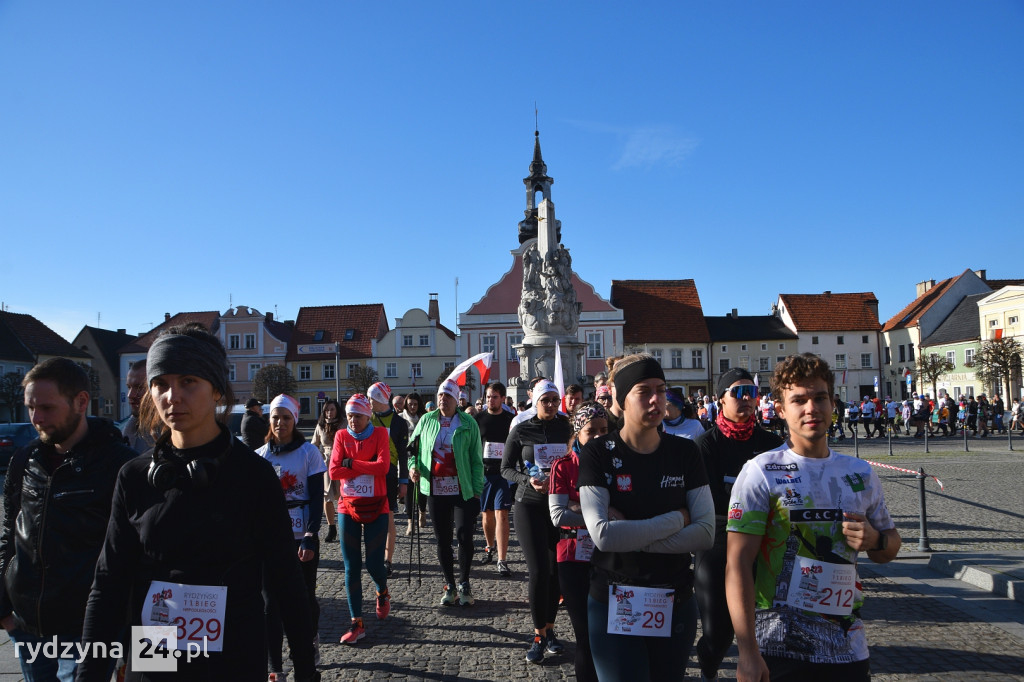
x,y
733,439
647,506
574,544
540,440
195,531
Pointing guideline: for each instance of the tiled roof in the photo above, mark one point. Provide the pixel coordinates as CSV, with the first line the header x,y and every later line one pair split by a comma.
x,y
748,328
833,312
368,321
960,325
208,318
108,343
909,316
660,310
1000,283
34,337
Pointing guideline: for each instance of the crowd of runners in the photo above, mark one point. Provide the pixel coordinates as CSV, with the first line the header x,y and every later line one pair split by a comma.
x,y
638,511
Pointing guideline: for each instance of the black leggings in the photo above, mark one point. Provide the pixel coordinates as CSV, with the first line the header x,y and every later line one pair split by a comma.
x,y
274,626
709,588
421,500
538,539
444,510
574,580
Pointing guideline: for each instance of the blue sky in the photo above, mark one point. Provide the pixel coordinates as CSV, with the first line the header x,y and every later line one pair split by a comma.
x,y
174,156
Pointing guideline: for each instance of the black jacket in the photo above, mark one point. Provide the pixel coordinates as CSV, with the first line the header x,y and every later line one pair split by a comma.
x,y
54,527
519,448
254,430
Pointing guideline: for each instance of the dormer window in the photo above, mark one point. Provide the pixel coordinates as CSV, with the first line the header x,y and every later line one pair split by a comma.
x,y
350,334
318,335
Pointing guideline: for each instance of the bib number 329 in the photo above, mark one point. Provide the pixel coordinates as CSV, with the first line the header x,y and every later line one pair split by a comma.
x,y
640,611
197,611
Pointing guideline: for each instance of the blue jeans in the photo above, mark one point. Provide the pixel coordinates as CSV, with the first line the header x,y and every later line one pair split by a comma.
x,y
626,657
353,535
44,667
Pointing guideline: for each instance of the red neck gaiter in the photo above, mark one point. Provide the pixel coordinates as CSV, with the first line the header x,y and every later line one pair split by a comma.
x,y
735,430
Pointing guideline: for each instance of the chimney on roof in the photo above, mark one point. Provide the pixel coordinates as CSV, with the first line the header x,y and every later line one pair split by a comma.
x,y
269,318
433,312
167,316
873,306
290,323
122,331
923,287
828,293
734,315
982,274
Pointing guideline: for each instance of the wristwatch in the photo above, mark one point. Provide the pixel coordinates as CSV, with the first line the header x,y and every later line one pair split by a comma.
x,y
883,542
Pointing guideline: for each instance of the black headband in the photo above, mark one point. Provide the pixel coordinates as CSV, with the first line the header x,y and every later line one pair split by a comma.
x,y
632,374
181,354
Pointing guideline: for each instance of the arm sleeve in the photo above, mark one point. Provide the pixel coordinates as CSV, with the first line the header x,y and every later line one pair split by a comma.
x,y
558,499
315,487
511,459
12,503
623,536
400,434
476,460
697,536
338,472
381,462
414,449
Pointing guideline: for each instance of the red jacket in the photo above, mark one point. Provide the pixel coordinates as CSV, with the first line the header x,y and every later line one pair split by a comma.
x,y
565,473
370,457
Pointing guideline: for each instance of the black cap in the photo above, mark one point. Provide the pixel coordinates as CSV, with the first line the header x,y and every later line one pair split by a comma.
x,y
731,377
252,403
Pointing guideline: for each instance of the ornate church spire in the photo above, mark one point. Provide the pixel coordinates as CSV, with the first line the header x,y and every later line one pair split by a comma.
x,y
538,188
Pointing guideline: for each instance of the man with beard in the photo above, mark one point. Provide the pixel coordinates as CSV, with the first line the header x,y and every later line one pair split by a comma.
x,y
56,497
136,384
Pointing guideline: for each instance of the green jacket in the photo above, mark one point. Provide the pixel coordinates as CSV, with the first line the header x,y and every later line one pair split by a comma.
x,y
466,445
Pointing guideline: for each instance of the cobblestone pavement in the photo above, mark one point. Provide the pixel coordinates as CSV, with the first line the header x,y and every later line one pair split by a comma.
x,y
918,628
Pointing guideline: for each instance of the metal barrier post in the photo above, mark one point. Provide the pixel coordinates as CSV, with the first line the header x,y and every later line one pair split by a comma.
x,y
966,449
922,542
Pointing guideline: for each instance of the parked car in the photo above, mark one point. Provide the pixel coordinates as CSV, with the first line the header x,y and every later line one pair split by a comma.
x,y
13,437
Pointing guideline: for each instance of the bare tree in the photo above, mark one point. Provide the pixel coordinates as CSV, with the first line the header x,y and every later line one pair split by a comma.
x,y
997,362
273,380
11,392
360,378
932,366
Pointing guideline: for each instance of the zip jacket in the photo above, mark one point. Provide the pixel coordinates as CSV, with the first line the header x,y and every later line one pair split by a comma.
x,y
469,455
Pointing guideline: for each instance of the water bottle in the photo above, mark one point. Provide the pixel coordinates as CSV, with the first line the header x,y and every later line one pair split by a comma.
x,y
535,471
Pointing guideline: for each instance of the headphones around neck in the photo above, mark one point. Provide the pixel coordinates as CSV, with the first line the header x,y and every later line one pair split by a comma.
x,y
170,470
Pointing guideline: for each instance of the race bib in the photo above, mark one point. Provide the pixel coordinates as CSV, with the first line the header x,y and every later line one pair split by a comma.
x,y
298,519
360,486
640,611
545,454
823,587
197,611
494,450
446,485
584,545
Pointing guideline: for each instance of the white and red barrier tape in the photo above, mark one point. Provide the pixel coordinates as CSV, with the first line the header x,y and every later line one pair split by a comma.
x,y
909,471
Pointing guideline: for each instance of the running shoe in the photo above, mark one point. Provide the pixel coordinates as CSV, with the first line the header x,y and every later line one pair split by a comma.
x,y
466,595
488,556
332,534
383,604
387,567
535,654
552,645
355,633
503,570
449,596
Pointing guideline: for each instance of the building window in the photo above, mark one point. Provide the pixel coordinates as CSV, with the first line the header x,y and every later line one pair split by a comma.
x,y
910,351
840,340
390,370
725,349
951,357
745,362
780,358
489,344
305,372
231,372
764,346
1012,320
449,367
656,354
304,405
969,356
416,370
865,360
514,340
903,353
764,364
743,346
864,339
677,359
814,340
318,335
328,370
723,365
840,361
993,323
407,339
234,342
250,341
350,370
253,368
782,346
594,343
697,358
108,407
888,355
424,339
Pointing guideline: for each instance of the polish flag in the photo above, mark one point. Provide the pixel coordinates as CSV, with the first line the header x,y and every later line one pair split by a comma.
x,y
482,362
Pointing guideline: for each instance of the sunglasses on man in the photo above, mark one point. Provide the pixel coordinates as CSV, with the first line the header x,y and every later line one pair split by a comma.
x,y
743,391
